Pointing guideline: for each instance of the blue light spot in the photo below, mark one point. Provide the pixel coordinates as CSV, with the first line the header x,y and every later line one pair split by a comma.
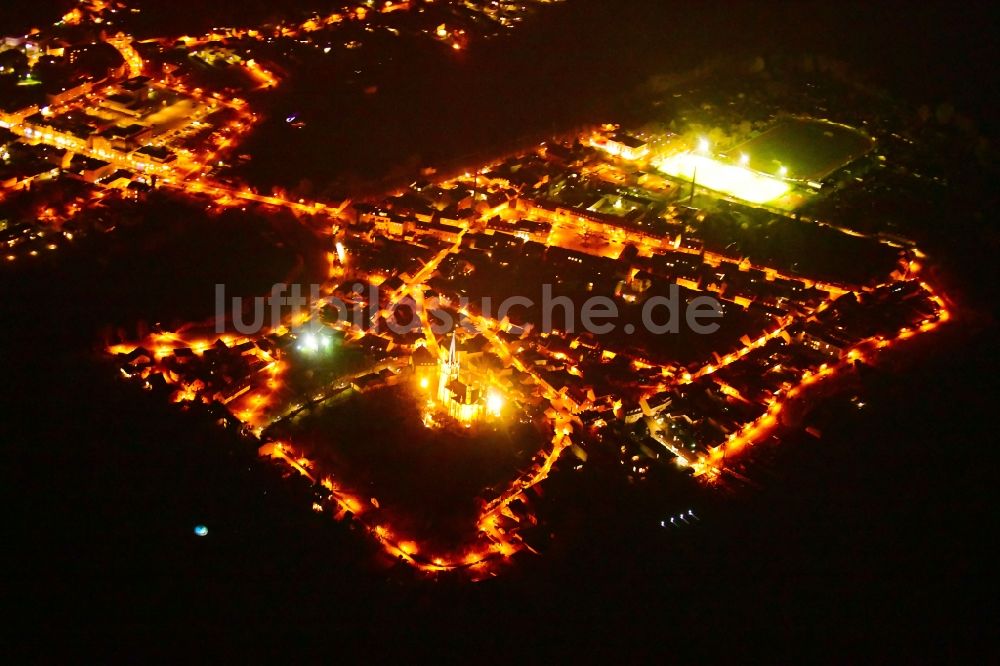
x,y
201,530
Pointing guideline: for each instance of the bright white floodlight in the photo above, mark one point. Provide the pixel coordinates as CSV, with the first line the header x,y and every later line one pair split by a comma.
x,y
494,403
310,343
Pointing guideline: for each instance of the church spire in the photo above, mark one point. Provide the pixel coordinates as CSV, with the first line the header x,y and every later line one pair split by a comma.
x,y
452,354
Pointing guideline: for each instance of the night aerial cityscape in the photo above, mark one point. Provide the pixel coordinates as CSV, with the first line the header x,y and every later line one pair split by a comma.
x,y
545,330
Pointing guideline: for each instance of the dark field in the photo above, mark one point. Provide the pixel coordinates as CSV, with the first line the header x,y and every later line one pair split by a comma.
x,y
427,481
795,247
810,149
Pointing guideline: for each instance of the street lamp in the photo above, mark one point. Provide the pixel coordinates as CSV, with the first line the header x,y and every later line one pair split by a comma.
x,y
744,159
703,145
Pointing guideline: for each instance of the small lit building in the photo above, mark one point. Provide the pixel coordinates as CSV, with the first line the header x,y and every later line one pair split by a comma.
x,y
823,341
627,147
367,382
90,169
425,366
439,231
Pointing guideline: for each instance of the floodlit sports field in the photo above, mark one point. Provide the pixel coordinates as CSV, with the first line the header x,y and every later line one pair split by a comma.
x,y
729,179
809,149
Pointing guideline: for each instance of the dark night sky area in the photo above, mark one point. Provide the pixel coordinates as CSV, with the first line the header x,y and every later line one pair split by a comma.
x,y
927,51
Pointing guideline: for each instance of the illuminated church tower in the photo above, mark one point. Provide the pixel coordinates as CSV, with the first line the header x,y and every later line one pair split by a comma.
x,y
450,369
460,395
